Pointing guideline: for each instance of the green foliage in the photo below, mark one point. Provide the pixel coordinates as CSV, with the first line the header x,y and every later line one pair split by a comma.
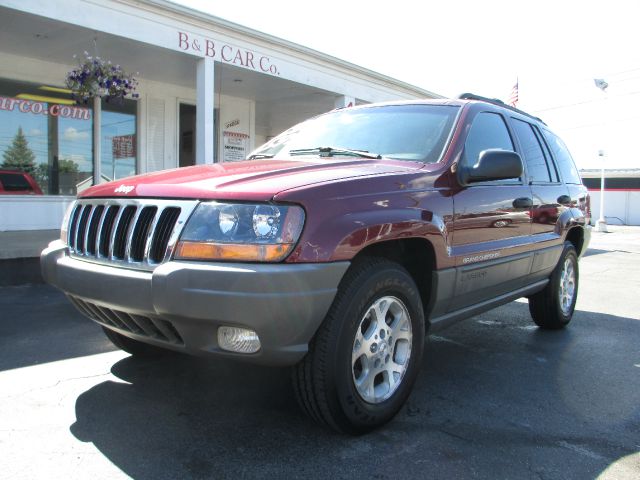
x,y
42,174
19,155
67,166
64,166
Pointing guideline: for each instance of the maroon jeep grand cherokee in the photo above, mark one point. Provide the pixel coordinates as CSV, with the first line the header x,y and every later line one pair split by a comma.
x,y
335,247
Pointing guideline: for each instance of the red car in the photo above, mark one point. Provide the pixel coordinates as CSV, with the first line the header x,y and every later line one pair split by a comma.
x,y
16,182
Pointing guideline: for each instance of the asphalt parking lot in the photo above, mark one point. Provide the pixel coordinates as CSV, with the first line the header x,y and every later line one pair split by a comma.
x,y
496,398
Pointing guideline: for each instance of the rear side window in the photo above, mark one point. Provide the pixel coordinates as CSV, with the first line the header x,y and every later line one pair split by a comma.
x,y
488,131
537,167
14,182
563,158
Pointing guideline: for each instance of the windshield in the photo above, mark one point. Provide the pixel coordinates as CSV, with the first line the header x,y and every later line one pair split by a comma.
x,y
403,132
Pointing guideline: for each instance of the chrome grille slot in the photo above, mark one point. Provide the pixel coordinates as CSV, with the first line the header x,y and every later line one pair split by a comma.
x,y
131,233
81,233
163,230
141,232
121,233
96,218
73,226
107,228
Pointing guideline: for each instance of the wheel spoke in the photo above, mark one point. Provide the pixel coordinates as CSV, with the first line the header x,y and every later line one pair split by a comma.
x,y
381,308
393,376
567,286
366,385
401,330
360,345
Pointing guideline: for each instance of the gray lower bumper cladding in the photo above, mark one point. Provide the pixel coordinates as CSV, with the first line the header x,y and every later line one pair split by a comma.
x,y
180,305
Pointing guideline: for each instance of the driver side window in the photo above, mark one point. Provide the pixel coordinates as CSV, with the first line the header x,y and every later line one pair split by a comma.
x,y
487,131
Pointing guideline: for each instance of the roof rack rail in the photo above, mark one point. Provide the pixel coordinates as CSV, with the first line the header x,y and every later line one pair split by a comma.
x,y
497,101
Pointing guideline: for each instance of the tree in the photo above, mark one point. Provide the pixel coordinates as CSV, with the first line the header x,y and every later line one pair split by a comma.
x,y
19,155
64,166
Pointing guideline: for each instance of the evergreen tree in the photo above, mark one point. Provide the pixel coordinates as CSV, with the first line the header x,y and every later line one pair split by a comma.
x,y
19,155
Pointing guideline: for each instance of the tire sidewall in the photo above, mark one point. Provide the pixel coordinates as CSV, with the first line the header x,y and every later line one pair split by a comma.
x,y
388,281
569,252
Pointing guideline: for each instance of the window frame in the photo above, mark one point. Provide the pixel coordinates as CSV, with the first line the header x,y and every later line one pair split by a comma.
x,y
544,132
546,153
509,182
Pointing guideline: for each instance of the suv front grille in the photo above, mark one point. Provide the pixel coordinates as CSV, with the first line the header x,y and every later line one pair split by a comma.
x,y
126,232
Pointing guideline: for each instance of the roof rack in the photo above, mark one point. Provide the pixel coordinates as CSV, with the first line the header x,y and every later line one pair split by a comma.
x,y
497,101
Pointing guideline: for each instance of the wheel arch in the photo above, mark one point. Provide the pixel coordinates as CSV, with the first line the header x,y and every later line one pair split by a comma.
x,y
575,235
416,255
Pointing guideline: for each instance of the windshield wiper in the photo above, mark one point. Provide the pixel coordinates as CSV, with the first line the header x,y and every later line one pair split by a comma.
x,y
332,151
260,156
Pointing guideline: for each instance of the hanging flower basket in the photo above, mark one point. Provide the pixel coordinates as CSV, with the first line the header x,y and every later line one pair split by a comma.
x,y
95,77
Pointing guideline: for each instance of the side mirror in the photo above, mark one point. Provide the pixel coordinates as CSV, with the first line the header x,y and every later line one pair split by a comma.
x,y
492,165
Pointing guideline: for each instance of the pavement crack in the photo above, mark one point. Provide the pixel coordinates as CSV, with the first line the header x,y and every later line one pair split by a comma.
x,y
581,450
455,435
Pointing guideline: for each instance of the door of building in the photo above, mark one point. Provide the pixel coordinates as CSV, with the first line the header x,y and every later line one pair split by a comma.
x,y
187,135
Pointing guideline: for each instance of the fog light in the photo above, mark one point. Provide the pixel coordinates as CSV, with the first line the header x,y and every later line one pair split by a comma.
x,y
239,340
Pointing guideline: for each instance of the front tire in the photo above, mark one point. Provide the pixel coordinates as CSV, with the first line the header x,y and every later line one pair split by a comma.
x,y
553,307
364,359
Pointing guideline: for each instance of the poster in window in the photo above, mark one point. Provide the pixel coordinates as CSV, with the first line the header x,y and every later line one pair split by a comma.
x,y
235,146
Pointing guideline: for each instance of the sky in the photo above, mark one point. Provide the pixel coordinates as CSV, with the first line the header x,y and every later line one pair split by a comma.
x,y
554,49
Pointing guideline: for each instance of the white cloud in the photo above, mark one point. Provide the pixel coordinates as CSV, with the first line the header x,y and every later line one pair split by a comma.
x,y
35,132
73,134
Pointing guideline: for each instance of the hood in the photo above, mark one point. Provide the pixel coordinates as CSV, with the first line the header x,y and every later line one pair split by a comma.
x,y
256,180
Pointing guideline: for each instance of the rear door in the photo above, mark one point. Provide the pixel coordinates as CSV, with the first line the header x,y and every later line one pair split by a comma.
x,y
550,196
578,199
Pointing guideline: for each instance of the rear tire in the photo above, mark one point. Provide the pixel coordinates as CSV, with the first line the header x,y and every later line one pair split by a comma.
x,y
553,307
364,359
134,347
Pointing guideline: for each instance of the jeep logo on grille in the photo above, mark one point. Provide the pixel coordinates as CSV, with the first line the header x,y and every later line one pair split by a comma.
x,y
123,189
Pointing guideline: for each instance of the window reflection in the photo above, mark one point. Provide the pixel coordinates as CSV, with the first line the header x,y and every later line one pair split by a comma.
x,y
46,135
118,132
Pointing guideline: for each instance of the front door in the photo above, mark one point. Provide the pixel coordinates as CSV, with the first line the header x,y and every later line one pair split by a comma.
x,y
491,221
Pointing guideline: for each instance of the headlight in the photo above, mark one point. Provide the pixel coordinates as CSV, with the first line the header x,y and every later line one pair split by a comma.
x,y
240,232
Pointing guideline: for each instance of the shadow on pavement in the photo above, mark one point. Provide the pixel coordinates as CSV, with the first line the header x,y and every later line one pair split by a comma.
x,y
496,398
594,251
39,325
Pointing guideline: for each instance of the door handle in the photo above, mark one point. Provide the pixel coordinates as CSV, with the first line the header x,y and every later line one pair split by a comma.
x,y
523,202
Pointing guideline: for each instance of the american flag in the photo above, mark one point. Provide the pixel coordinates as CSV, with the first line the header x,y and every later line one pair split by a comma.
x,y
513,98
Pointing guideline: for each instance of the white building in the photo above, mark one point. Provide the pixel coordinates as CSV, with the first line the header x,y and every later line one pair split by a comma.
x,y
209,91
621,195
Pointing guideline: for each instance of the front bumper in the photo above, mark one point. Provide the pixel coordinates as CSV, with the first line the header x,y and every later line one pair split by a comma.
x,y
180,305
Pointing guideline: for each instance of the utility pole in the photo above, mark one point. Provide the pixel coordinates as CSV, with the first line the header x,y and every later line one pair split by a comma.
x,y
601,224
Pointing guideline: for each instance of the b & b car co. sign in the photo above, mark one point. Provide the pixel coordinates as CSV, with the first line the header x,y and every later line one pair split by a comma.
x,y
226,53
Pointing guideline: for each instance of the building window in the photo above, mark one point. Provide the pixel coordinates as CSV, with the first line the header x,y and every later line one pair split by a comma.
x,y
118,143
44,133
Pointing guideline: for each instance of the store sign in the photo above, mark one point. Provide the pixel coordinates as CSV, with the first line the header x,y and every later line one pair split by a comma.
x,y
41,108
123,146
226,53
